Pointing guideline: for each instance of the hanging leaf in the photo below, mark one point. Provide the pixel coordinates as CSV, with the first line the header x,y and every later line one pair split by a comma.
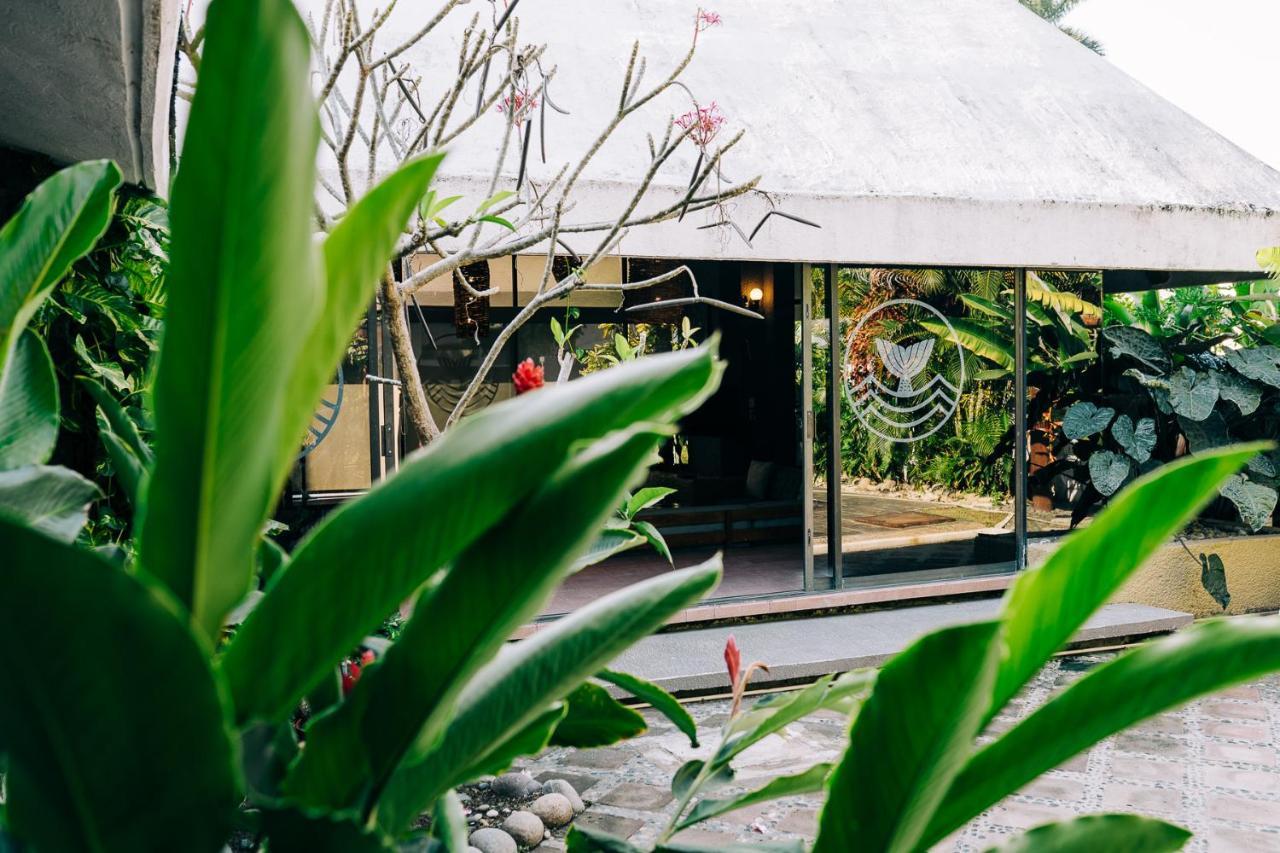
x,y
1261,364
1137,440
28,405
48,498
1236,389
1254,501
1138,345
1213,577
1084,419
1193,394
1108,471
594,718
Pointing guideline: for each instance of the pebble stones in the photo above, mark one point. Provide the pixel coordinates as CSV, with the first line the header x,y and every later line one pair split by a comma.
x,y
560,786
525,827
514,785
554,810
490,840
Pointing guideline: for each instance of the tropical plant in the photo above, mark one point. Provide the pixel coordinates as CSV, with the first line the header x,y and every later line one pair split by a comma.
x,y
1166,396
1054,11
160,716
57,224
380,105
102,324
922,759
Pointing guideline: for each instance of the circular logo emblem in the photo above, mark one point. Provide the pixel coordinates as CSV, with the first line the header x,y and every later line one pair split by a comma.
x,y
891,380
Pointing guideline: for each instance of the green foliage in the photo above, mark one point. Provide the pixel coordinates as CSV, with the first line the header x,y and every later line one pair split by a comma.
x,y
167,746
1181,382
920,762
57,223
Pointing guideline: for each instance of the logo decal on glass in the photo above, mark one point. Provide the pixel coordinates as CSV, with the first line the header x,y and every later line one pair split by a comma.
x,y
893,388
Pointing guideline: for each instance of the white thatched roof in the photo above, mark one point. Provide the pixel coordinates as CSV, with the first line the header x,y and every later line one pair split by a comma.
x,y
964,132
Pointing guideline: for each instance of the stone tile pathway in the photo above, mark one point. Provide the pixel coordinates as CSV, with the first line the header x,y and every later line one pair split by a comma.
x,y
1213,767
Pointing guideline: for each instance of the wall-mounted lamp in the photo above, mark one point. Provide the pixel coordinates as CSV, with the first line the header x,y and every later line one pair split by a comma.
x,y
755,298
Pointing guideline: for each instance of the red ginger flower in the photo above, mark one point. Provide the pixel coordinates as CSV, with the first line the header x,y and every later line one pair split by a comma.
x,y
528,376
732,660
351,671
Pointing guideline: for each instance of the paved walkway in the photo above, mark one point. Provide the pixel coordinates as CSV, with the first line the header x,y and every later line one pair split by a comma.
x,y
1213,767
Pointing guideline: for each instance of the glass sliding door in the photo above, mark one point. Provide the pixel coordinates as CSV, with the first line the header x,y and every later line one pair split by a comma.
x,y
920,475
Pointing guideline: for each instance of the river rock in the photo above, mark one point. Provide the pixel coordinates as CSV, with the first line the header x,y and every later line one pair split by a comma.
x,y
490,840
525,827
513,785
553,809
560,786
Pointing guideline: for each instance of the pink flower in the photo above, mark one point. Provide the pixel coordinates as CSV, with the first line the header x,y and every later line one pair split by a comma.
x,y
702,124
708,19
528,376
521,103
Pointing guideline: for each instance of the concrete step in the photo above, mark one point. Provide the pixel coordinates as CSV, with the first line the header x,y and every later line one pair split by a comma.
x,y
796,650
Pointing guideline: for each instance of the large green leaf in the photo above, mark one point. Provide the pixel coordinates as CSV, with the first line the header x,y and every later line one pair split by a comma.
x,y
48,498
28,405
115,731
1153,678
1254,501
294,831
1084,419
909,740
1138,440
458,625
1261,364
1045,607
121,424
807,782
976,338
356,255
1108,471
509,693
1193,394
774,713
1136,344
593,718
57,223
439,503
662,701
1114,833
243,279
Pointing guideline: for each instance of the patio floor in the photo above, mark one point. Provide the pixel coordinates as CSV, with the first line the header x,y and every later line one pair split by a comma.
x,y
1212,767
884,538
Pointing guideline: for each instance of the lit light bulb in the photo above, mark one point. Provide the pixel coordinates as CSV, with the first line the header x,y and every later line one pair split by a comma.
x,y
755,294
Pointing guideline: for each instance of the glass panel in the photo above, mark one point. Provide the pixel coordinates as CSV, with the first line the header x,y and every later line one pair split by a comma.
x,y
1168,372
338,460
927,403
1064,319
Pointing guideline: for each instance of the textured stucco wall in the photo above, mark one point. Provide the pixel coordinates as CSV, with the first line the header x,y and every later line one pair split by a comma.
x,y
1172,578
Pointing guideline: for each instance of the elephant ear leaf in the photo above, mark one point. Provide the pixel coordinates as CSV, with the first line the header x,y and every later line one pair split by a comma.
x,y
1084,419
120,692
1136,344
1254,501
1138,440
1109,471
1193,394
